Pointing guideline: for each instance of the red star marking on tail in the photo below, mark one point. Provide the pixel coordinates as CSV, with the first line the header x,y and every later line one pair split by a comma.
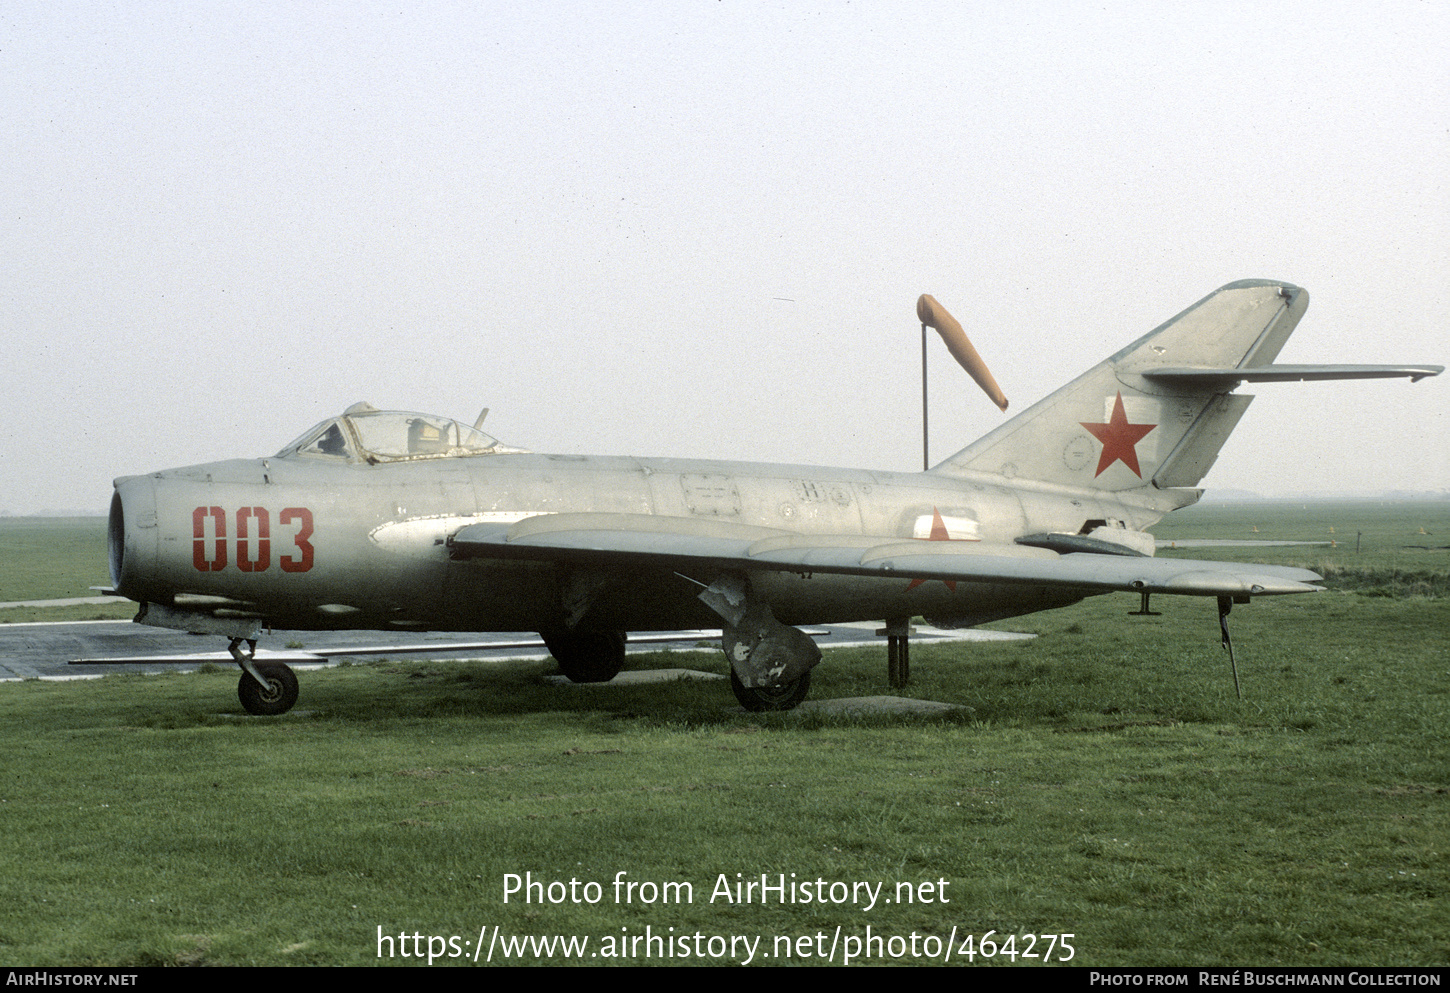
x,y
1118,438
938,533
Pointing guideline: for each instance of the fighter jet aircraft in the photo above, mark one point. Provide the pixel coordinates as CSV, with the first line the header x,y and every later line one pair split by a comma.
x,y
389,520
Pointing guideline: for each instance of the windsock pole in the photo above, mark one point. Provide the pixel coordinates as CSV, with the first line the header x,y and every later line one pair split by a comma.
x,y
925,435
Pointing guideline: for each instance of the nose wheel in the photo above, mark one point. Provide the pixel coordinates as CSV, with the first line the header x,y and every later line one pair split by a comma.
x,y
278,696
266,688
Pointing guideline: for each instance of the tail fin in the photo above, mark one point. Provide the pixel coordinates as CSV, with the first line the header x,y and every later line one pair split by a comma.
x,y
1118,427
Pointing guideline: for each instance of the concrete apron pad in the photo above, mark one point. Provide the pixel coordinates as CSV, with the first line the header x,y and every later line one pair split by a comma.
x,y
855,704
877,705
290,715
642,677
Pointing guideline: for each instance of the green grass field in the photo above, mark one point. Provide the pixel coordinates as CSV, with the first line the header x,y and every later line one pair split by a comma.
x,y
1375,546
52,557
1104,783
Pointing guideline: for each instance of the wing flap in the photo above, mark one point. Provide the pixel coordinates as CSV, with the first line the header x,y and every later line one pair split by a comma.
x,y
623,540
938,560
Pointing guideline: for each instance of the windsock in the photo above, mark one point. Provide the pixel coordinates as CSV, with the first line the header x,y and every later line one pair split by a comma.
x,y
934,315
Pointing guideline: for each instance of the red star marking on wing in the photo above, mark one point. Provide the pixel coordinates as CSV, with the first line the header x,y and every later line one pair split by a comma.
x,y
938,533
1118,438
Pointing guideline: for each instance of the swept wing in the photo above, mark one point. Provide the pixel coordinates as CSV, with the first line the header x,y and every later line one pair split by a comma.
x,y
711,546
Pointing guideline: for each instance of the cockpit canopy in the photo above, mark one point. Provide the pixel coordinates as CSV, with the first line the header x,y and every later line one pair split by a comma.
x,y
364,433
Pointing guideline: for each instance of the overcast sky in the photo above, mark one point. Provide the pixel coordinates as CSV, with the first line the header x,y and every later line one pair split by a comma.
x,y
700,228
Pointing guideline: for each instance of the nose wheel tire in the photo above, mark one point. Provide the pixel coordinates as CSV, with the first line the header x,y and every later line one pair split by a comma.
x,y
277,698
762,698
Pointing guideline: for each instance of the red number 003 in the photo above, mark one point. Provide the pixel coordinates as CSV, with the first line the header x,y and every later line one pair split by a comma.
x,y
209,550
218,560
303,561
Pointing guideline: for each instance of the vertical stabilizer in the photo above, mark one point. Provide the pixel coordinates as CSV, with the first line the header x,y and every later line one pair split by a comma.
x,y
1113,428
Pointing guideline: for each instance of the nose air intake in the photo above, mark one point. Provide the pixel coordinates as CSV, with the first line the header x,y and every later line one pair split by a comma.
x,y
116,539
131,535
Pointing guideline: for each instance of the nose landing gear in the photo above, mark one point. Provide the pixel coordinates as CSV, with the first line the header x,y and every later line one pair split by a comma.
x,y
266,688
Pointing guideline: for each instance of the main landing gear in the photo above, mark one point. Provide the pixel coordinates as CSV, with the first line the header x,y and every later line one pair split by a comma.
x,y
782,696
586,656
770,662
266,688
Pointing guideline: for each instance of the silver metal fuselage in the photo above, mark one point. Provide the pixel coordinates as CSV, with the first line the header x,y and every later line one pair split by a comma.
x,y
317,544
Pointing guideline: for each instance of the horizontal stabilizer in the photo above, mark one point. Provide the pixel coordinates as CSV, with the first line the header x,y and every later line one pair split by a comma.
x,y
669,542
1195,376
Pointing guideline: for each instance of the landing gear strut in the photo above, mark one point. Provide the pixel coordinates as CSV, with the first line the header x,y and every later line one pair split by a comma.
x,y
898,651
266,688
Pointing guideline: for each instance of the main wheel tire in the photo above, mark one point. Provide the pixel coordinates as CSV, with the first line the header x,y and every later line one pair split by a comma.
x,y
587,656
277,698
761,698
